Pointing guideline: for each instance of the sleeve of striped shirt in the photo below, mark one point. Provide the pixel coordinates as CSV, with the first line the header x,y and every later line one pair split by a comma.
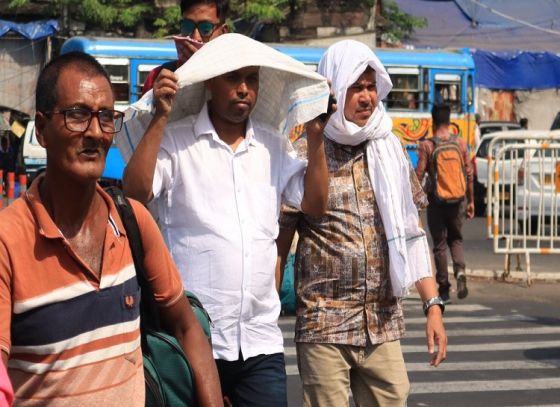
x,y
5,299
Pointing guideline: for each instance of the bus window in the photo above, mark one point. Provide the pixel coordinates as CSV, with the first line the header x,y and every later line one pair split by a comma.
x,y
141,75
118,70
405,94
448,90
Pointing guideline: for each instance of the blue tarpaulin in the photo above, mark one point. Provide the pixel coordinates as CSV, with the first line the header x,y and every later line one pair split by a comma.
x,y
501,25
544,14
32,31
517,70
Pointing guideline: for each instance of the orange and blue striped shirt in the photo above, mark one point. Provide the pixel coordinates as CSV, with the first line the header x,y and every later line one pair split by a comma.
x,y
72,337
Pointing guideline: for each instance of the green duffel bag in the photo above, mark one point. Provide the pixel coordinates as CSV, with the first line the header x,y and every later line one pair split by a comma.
x,y
167,372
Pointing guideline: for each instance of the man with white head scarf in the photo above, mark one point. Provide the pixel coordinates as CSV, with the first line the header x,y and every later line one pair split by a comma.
x,y
355,263
218,178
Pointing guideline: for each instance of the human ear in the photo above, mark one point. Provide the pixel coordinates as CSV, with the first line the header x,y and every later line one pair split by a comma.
x,y
40,123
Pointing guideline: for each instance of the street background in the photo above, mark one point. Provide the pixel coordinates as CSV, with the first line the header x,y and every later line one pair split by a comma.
x,y
481,260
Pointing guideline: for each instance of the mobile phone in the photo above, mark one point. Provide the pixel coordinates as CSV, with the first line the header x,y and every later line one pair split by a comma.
x,y
179,40
323,116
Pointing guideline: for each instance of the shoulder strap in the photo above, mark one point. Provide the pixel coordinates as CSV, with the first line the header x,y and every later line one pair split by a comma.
x,y
435,141
171,65
149,315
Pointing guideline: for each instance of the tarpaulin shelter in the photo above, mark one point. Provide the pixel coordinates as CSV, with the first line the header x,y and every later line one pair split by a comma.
x,y
515,45
23,52
514,25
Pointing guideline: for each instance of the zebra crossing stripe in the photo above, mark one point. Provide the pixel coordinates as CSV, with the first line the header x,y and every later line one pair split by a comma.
x,y
292,370
486,365
449,308
542,330
478,386
474,319
477,347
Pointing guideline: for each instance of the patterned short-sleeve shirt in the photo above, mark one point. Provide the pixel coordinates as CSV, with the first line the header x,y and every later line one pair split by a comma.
x,y
342,262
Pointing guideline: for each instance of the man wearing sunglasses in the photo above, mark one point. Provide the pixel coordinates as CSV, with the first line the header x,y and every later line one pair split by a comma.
x,y
69,297
203,20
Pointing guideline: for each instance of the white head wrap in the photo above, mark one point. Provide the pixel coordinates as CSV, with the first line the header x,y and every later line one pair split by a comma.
x,y
388,167
289,92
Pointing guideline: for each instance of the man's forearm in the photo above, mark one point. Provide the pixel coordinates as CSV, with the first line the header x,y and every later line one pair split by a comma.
x,y
139,172
316,178
180,319
206,379
427,289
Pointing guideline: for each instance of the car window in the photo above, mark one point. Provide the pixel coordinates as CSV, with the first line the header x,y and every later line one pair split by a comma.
x,y
485,144
513,127
483,148
490,129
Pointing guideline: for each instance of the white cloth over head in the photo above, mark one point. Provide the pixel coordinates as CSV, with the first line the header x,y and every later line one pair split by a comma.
x,y
388,167
289,92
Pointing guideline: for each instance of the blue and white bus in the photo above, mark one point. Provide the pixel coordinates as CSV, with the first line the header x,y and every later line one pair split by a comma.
x,y
420,79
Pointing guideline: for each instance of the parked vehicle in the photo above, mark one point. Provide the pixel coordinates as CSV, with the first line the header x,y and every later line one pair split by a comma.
x,y
492,126
34,156
538,188
488,131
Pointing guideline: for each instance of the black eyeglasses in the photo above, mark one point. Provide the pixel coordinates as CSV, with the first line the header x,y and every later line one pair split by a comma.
x,y
78,119
205,28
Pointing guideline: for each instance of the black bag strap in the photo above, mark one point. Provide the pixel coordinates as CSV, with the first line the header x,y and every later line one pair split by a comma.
x,y
149,314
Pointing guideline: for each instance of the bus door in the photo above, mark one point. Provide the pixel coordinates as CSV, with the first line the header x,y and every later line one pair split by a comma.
x,y
139,69
119,74
449,86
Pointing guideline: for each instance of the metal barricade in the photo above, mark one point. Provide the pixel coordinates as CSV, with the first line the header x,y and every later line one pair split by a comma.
x,y
524,197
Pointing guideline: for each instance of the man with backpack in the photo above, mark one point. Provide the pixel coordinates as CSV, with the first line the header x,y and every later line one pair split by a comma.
x,y
450,194
69,291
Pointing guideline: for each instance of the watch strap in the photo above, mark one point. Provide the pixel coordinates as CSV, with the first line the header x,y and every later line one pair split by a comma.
x,y
431,302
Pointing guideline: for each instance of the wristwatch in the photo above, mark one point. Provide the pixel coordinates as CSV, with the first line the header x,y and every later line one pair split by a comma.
x,y
433,301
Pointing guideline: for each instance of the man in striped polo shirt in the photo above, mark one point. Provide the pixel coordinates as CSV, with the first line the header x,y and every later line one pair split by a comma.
x,y
69,298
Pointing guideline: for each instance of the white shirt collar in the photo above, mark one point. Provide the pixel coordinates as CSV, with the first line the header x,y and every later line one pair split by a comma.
x,y
203,126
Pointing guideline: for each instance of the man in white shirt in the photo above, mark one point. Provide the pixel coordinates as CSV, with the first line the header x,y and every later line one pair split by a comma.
x,y
218,179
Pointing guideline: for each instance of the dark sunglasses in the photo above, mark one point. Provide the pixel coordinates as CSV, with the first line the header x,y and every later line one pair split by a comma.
x,y
205,28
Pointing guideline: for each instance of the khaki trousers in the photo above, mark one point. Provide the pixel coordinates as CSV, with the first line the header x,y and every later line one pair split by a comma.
x,y
376,374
